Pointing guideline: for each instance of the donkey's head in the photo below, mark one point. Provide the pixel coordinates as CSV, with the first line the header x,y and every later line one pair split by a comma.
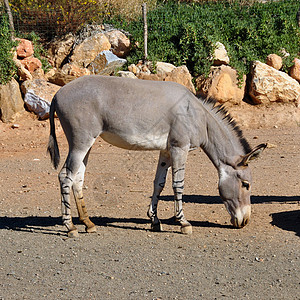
x,y
235,187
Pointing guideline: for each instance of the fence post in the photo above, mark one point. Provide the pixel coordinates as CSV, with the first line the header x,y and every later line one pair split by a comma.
x,y
10,19
144,8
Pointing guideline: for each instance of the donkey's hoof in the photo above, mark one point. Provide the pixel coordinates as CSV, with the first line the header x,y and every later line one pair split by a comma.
x,y
92,229
186,229
73,234
156,227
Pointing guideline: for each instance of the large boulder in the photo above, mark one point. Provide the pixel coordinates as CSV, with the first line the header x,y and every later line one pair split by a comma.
x,y
181,75
38,96
86,52
222,84
11,102
60,49
120,43
268,85
106,63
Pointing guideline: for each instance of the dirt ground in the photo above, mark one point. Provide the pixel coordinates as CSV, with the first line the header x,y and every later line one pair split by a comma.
x,y
124,259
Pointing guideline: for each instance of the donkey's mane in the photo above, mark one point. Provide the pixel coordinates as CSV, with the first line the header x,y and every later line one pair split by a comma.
x,y
225,118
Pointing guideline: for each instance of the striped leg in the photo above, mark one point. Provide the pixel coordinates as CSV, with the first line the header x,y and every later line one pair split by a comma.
x,y
179,156
78,195
67,177
164,163
66,182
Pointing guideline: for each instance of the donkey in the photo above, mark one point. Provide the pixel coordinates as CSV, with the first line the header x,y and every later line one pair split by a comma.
x,y
149,115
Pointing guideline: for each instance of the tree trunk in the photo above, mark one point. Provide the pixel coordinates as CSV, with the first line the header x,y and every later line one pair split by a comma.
x,y
10,18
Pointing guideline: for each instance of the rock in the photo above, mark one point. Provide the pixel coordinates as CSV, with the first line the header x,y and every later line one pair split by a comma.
x,y
275,61
295,70
134,69
38,96
23,73
60,78
31,63
268,85
74,70
87,51
162,68
220,55
181,75
106,63
120,43
11,102
126,74
146,76
222,85
60,49
25,48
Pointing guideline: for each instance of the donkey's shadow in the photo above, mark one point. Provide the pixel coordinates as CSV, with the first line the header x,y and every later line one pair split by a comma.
x,y
289,220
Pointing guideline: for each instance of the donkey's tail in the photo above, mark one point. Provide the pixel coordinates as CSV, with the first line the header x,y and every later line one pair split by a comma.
x,y
52,144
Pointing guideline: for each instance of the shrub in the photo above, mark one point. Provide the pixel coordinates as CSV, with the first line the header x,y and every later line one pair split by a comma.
x,y
183,33
7,66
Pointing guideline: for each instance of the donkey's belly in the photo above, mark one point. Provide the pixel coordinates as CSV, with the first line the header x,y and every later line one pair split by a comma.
x,y
136,142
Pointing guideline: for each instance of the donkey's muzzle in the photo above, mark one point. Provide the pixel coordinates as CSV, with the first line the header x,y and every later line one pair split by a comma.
x,y
242,217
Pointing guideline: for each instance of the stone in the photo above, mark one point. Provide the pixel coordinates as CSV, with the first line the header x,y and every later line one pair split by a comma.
x,y
74,70
25,48
60,78
31,63
222,85
295,70
268,85
60,49
87,51
23,73
162,68
11,102
134,69
146,76
181,75
38,96
106,63
220,56
120,43
126,74
274,61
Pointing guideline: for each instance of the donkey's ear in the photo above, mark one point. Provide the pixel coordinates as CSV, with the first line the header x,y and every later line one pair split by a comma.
x,y
255,153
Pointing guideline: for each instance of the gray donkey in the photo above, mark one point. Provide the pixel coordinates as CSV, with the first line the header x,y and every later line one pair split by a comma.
x,y
149,115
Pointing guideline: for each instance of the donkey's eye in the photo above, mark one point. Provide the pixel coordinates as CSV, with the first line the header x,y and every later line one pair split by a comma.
x,y
246,184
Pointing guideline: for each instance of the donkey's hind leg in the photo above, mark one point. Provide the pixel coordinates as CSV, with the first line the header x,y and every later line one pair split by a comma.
x,y
78,195
163,165
67,177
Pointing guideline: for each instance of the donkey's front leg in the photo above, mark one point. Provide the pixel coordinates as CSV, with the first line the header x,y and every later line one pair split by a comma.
x,y
163,165
78,195
179,156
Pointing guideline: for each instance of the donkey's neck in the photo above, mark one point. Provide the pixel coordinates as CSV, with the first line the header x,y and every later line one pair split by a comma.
x,y
224,143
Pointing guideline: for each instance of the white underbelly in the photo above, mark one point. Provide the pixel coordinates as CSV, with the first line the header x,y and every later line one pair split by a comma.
x,y
135,142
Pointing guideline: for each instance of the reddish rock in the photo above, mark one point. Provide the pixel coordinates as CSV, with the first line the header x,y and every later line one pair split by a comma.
x,y
274,61
31,63
25,48
295,70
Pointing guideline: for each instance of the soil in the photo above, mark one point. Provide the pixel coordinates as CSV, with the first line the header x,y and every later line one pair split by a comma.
x,y
124,259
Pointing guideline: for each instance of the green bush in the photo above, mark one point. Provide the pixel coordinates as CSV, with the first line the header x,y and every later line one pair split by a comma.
x,y
183,33
7,66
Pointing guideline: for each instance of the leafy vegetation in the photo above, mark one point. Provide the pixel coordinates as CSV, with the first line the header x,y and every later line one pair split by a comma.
x,y
7,66
185,33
